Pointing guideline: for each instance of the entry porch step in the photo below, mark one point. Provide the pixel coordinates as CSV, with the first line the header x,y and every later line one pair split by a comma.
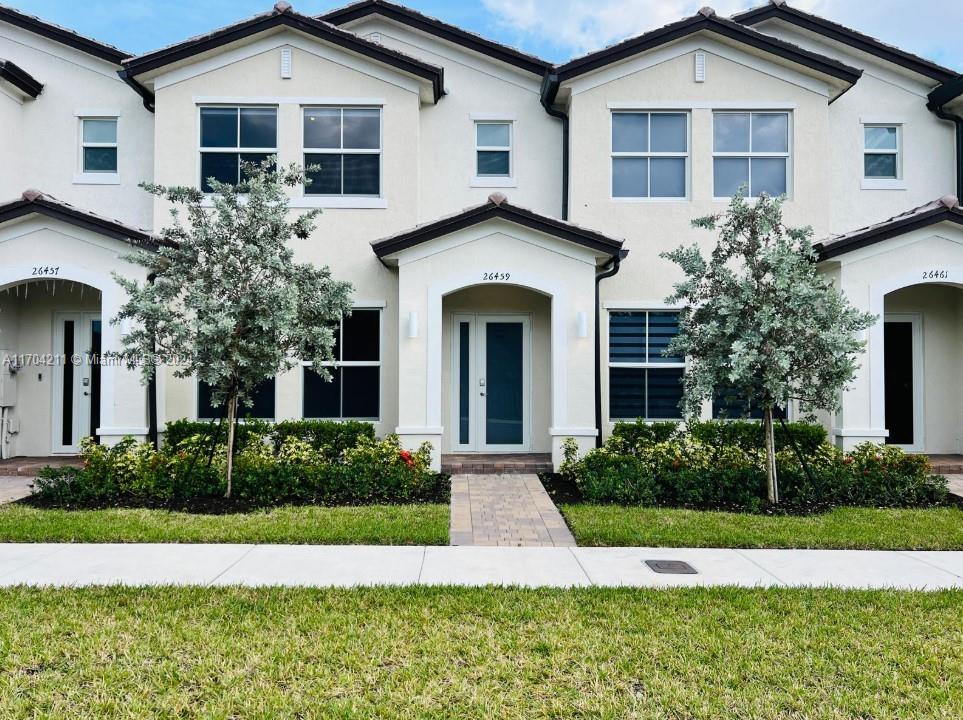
x,y
947,464
28,466
496,463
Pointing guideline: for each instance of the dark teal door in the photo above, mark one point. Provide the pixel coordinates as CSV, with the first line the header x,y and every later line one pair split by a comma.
x,y
505,385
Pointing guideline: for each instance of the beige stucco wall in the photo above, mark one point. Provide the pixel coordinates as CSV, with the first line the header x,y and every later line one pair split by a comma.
x,y
75,82
81,258
501,300
477,84
653,226
938,308
342,236
11,120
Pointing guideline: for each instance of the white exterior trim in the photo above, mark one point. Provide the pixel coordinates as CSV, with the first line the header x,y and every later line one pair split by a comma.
x,y
283,100
642,105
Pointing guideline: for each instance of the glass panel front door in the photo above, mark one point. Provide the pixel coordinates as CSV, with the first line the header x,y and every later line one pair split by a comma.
x,y
504,399
490,388
77,343
898,382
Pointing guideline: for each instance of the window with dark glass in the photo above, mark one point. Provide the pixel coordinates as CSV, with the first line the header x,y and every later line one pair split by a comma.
x,y
881,152
643,381
262,399
730,404
344,147
751,149
649,154
99,142
232,135
493,149
354,391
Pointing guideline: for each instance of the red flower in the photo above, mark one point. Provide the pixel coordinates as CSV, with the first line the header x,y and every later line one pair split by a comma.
x,y
406,456
848,461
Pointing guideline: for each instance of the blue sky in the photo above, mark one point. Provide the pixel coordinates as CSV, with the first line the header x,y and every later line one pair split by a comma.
x,y
553,29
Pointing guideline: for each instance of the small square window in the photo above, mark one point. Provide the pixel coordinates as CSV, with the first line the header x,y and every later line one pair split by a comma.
x,y
493,149
881,152
99,145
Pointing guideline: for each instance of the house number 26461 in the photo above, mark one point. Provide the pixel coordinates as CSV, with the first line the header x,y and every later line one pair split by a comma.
x,y
935,274
496,276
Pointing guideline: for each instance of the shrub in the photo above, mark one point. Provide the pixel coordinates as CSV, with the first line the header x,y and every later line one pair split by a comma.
x,y
177,431
640,432
333,437
687,472
747,434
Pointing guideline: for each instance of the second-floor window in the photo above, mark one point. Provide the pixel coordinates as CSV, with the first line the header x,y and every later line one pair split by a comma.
x,y
230,135
881,152
345,146
649,154
99,143
493,149
751,149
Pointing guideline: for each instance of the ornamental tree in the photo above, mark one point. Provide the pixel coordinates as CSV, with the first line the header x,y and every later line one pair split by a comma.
x,y
225,300
759,320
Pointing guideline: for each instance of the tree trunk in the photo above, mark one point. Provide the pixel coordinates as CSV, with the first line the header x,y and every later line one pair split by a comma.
x,y
772,481
231,421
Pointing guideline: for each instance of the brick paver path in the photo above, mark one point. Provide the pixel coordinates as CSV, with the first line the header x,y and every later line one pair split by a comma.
x,y
512,510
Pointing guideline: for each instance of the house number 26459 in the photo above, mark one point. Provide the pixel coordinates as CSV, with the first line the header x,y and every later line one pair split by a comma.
x,y
496,276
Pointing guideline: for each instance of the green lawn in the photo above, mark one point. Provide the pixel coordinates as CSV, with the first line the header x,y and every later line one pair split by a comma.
x,y
853,528
368,525
480,653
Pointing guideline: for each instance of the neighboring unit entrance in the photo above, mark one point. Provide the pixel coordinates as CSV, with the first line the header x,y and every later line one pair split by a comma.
x,y
76,386
903,380
491,369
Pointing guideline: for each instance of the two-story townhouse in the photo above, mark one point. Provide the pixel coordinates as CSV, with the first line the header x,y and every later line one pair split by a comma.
x,y
501,218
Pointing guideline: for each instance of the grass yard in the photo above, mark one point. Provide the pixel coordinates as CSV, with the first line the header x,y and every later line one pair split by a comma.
x,y
480,653
363,525
842,528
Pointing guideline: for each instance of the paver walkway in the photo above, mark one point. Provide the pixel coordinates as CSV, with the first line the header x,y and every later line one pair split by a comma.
x,y
507,510
359,565
955,483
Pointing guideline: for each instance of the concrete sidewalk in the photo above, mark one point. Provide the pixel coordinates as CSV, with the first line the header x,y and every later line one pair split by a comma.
x,y
319,565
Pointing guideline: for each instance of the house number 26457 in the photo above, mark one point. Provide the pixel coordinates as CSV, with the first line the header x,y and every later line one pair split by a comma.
x,y
496,276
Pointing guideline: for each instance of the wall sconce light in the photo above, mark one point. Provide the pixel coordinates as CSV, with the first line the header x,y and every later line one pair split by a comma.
x,y
581,324
412,324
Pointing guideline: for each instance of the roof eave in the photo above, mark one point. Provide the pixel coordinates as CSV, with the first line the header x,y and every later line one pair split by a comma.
x,y
844,35
830,250
63,36
455,35
102,226
20,79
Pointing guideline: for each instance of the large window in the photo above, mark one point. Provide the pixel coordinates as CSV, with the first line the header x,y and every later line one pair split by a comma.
x,y
751,149
728,404
230,135
644,383
649,154
493,149
355,388
262,399
99,143
345,145
881,152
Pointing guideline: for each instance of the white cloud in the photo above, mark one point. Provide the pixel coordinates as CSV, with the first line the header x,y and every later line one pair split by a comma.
x,y
929,29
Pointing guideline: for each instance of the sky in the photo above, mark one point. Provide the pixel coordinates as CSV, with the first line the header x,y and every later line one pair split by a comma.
x,y
555,30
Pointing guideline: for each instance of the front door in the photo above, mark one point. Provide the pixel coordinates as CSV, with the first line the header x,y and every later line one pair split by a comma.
x,y
903,380
491,402
76,387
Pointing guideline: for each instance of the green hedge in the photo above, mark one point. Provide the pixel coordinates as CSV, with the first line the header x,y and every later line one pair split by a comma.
x,y
645,433
685,472
748,435
178,431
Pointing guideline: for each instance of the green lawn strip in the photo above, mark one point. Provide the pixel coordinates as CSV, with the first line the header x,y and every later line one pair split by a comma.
x,y
480,653
841,528
367,525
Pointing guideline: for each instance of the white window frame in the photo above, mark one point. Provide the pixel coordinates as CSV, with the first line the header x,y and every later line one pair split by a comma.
x,y
93,177
872,183
639,365
345,201
338,363
649,154
493,180
751,154
238,149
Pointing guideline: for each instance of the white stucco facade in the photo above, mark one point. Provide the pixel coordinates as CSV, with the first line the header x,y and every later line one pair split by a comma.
x,y
538,262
